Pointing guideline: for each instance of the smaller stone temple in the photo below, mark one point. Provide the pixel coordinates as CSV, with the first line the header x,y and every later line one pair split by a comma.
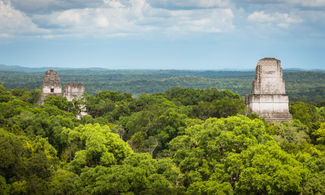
x,y
51,85
73,90
268,98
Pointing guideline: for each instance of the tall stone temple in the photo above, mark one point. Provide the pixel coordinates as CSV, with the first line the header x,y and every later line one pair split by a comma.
x,y
268,98
52,87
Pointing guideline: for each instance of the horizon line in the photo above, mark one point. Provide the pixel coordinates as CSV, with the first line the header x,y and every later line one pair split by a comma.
x,y
148,69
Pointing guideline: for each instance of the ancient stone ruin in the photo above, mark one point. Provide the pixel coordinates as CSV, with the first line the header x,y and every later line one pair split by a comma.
x,y
52,86
268,98
73,90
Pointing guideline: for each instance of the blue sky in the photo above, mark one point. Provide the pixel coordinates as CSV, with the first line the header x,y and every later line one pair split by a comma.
x,y
162,34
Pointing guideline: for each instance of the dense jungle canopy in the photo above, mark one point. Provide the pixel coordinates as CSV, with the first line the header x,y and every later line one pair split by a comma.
x,y
181,141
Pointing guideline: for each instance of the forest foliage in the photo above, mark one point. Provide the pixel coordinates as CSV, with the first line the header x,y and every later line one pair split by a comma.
x,y
181,141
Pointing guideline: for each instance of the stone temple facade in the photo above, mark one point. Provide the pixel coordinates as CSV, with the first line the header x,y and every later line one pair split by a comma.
x,y
52,86
268,98
73,90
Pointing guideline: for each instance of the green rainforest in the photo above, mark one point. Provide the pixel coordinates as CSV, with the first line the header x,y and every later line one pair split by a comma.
x,y
159,132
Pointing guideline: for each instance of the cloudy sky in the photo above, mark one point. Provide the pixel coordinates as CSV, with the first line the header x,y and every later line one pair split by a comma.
x,y
162,34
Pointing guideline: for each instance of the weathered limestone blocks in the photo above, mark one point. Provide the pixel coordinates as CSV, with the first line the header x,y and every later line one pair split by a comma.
x,y
51,86
73,90
268,98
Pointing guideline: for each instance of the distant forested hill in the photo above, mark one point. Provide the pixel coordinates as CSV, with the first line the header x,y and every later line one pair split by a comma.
x,y
300,85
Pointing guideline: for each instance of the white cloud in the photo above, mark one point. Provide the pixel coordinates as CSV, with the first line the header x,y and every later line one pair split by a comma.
x,y
14,22
114,3
135,17
90,21
307,3
35,5
59,18
102,21
48,6
175,4
278,19
304,3
216,20
70,18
